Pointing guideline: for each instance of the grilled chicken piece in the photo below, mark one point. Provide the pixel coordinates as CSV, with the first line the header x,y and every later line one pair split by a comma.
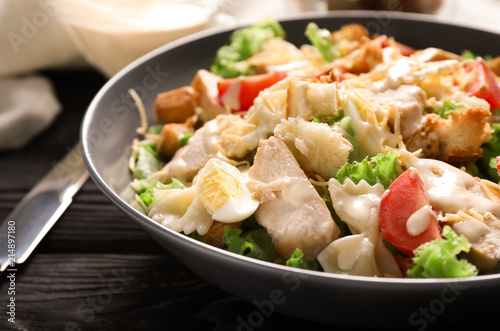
x,y
483,232
205,85
201,147
409,101
291,209
318,148
456,140
432,54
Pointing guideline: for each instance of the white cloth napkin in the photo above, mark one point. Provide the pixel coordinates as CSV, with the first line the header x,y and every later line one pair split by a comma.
x,y
32,39
27,106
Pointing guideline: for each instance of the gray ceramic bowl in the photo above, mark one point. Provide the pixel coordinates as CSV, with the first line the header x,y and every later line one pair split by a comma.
x,y
109,127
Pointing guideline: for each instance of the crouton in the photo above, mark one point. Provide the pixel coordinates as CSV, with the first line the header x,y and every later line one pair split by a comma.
x,y
307,99
365,58
316,146
291,209
351,32
175,106
456,140
171,133
494,65
214,235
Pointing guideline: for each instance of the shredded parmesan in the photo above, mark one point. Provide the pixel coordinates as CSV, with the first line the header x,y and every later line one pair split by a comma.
x,y
133,154
142,112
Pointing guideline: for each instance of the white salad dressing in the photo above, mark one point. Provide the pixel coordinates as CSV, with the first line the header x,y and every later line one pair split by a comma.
x,y
411,71
450,189
372,137
419,220
354,204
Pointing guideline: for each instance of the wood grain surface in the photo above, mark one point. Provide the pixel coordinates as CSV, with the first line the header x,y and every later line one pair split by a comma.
x,y
96,269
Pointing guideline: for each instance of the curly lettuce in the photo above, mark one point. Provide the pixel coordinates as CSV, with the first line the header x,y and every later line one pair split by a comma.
x,y
447,107
244,43
381,168
147,163
297,261
148,190
438,258
486,165
256,243
321,39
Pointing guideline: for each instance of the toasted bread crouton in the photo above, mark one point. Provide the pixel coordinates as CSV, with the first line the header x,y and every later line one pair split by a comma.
x,y
175,106
291,209
351,32
365,58
316,146
456,140
205,86
307,99
171,133
494,65
214,235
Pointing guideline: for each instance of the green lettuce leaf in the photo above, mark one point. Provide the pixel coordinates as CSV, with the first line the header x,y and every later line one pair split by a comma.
x,y
379,169
244,43
256,243
468,54
297,261
148,162
438,258
448,106
321,39
147,189
486,164
155,129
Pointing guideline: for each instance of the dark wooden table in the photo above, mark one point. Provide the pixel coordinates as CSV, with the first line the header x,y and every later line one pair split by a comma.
x,y
96,269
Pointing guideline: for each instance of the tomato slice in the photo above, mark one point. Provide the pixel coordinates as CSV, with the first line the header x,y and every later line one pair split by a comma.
x,y
498,165
484,85
404,199
404,49
246,89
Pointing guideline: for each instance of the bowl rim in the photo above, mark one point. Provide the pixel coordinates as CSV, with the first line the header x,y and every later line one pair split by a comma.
x,y
125,206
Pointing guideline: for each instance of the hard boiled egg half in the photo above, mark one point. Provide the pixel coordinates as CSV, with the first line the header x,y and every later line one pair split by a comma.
x,y
221,189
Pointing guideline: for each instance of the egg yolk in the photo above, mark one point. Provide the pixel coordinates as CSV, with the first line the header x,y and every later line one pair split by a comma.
x,y
216,187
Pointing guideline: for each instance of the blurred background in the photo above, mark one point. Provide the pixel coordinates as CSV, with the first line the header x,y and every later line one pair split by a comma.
x,y
106,35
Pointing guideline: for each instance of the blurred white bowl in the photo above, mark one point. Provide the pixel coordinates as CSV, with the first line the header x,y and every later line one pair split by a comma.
x,y
112,33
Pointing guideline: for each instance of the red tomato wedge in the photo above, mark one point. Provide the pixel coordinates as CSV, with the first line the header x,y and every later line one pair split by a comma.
x,y
239,93
403,198
484,84
498,165
404,49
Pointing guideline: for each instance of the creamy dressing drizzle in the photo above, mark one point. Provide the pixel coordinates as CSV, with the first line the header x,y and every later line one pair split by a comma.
x,y
419,220
450,189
